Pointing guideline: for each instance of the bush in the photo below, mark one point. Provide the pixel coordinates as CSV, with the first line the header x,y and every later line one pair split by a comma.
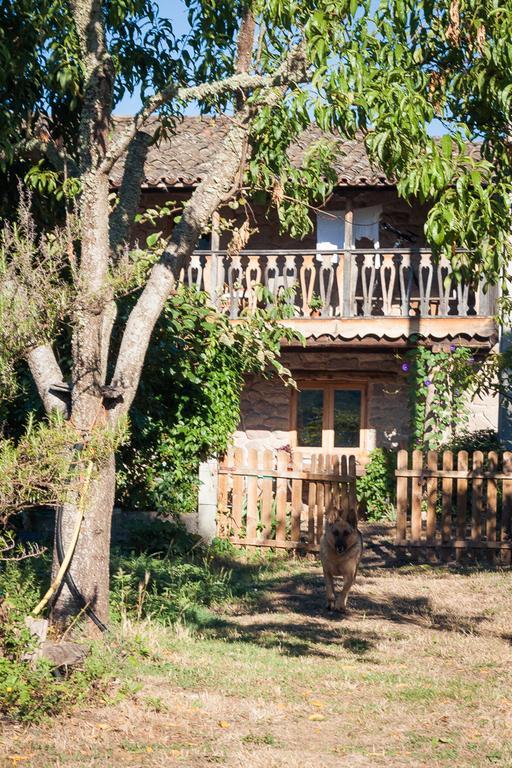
x,y
376,488
169,577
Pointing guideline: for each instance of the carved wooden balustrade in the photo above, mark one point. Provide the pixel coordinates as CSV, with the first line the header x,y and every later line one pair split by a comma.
x,y
356,283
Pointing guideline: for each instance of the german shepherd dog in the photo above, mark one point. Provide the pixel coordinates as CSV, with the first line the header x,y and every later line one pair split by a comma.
x,y
341,548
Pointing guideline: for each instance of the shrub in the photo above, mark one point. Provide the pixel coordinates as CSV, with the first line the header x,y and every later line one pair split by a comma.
x,y
482,440
376,488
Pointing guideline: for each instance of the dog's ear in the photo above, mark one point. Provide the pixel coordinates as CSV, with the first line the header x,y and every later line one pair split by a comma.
x,y
332,515
351,517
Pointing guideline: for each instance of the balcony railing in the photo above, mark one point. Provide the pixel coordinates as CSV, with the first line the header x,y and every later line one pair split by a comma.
x,y
340,284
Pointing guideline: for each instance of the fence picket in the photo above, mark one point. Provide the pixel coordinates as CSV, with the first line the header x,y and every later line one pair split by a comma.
x,y
222,496
312,505
238,493
462,501
401,497
447,490
506,513
477,500
320,506
266,494
431,497
492,503
296,499
252,495
417,496
281,496
351,490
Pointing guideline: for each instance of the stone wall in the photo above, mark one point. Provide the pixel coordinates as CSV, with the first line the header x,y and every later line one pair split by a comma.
x,y
266,404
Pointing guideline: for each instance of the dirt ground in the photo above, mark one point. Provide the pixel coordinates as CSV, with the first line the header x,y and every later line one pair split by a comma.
x,y
418,674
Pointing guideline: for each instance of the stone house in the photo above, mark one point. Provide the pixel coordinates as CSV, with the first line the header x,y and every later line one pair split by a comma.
x,y
365,287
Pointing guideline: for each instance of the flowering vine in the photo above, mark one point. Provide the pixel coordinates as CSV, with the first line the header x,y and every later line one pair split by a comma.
x,y
439,384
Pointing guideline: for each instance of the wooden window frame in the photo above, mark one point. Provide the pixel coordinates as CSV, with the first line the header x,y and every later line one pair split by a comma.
x,y
329,386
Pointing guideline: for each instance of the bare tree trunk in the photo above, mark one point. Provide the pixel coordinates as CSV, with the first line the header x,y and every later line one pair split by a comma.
x,y
87,581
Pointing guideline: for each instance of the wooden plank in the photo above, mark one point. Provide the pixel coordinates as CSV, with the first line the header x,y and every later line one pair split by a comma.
x,y
506,512
252,496
401,497
222,498
492,501
416,497
238,493
352,496
266,494
336,486
345,500
274,544
431,496
312,504
289,474
462,501
460,544
477,506
329,509
281,495
454,474
296,499
320,506
446,503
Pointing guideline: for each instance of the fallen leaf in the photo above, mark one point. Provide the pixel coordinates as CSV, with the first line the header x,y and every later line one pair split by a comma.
x,y
149,749
224,724
316,716
15,758
317,703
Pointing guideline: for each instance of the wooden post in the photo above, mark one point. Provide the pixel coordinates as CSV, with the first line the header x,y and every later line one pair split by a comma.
x,y
281,494
352,496
252,495
319,500
214,264
238,492
462,501
492,506
266,494
417,496
401,497
312,505
478,503
506,513
296,499
347,303
431,502
447,491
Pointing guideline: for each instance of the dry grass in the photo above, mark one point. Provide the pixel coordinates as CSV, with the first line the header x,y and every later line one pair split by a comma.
x,y
419,674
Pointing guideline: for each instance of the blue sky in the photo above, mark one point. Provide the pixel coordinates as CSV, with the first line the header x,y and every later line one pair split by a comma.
x,y
176,11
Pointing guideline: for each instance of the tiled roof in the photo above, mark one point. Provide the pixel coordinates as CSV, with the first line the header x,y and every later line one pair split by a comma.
x,y
182,160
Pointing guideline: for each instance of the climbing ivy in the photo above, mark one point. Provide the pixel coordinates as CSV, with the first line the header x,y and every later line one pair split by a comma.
x,y
439,386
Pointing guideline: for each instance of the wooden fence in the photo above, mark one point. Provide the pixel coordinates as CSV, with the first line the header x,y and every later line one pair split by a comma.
x,y
267,499
464,505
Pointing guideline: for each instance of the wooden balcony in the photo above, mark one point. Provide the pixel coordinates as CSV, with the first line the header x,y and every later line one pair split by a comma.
x,y
346,294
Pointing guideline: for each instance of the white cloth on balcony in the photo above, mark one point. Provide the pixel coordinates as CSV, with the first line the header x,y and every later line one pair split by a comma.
x,y
330,229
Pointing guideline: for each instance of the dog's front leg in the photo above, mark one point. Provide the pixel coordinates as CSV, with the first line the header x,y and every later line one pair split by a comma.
x,y
329,588
348,581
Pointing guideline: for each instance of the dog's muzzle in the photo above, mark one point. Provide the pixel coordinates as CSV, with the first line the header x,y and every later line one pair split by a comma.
x,y
340,547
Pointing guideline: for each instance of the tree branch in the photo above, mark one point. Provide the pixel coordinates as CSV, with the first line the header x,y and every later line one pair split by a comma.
x,y
206,198
46,373
241,81
57,157
121,218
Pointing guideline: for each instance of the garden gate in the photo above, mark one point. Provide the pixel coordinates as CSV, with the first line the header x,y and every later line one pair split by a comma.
x,y
463,506
271,499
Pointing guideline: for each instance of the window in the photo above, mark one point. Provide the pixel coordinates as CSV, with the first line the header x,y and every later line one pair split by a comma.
x,y
328,416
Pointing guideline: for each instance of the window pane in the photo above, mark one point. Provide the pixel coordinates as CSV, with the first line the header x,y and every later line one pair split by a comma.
x,y
347,418
309,417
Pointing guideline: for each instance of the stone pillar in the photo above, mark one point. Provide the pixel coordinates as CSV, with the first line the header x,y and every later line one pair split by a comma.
x,y
207,501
